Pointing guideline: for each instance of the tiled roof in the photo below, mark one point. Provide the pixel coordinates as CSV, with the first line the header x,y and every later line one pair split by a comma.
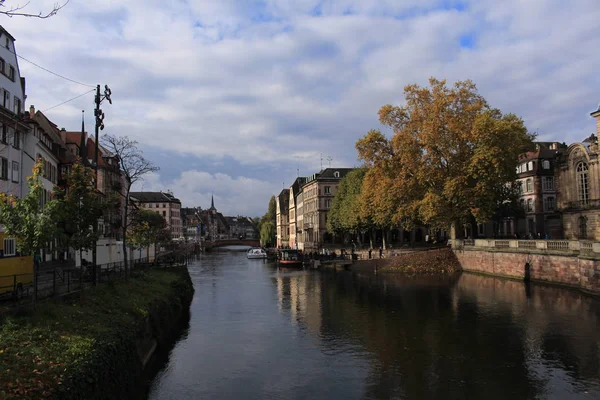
x,y
154,197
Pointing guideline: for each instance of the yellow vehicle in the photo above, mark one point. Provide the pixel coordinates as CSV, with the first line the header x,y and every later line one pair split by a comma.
x,y
16,272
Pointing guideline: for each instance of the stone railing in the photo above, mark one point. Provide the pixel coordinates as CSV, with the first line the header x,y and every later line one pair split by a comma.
x,y
569,246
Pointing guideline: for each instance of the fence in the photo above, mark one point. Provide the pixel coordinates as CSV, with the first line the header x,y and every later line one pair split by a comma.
x,y
568,246
59,281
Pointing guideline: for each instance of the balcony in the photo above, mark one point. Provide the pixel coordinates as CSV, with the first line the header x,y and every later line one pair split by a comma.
x,y
307,226
582,205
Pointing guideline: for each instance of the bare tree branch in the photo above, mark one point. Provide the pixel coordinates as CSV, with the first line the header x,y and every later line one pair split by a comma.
x,y
134,167
16,11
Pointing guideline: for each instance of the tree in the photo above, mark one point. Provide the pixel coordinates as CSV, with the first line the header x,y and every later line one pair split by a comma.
x,y
267,233
28,221
347,214
17,10
80,208
134,166
451,157
148,228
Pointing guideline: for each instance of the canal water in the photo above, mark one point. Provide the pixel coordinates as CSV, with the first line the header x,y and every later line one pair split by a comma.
x,y
256,332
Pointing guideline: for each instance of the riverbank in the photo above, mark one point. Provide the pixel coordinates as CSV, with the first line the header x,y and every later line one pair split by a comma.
x,y
432,262
93,344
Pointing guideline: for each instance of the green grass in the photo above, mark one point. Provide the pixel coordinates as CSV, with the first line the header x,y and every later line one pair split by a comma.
x,y
43,350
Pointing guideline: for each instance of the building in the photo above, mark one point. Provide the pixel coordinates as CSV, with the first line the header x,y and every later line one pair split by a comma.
x,y
293,195
282,218
163,203
314,203
216,224
13,128
191,221
579,187
536,179
241,227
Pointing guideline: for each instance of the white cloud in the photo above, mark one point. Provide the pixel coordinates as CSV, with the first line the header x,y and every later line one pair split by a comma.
x,y
233,196
273,84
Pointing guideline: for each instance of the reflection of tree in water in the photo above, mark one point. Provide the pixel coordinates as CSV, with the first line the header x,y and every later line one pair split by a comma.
x,y
432,341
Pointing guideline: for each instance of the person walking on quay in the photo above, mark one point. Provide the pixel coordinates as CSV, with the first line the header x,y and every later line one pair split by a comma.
x,y
380,252
370,250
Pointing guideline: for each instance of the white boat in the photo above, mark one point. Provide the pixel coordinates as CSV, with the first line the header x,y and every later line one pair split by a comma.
x,y
256,252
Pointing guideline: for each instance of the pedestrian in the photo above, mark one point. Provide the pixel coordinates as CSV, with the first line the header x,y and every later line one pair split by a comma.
x,y
380,252
370,250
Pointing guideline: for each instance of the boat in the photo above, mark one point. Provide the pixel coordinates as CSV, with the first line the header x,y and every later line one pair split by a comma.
x,y
256,253
289,258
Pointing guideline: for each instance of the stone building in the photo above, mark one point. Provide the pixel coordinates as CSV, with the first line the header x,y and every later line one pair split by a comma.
x,y
215,223
292,219
536,177
316,197
191,223
282,218
579,184
163,203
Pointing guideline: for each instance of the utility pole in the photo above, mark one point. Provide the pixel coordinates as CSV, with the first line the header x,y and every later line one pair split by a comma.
x,y
99,126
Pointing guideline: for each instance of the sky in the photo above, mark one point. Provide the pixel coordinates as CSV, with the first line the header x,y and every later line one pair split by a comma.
x,y
235,98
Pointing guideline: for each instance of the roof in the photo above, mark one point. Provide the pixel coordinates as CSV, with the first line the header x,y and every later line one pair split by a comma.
x,y
284,200
329,173
2,30
49,127
155,197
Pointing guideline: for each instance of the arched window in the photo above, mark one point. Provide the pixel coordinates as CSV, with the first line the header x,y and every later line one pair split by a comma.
x,y
336,174
582,182
529,205
529,185
582,228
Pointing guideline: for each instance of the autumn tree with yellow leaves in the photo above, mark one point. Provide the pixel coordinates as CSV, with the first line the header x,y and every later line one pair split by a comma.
x,y
451,158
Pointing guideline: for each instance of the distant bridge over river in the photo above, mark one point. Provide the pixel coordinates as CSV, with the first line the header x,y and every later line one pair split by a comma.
x,y
236,242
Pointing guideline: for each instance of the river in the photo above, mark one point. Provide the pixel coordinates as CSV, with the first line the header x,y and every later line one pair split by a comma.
x,y
256,332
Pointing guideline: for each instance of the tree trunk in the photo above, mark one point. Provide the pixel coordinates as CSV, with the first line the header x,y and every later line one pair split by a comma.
x,y
383,239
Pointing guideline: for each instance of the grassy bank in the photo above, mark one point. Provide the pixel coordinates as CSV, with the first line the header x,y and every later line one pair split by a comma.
x,y
433,262
86,346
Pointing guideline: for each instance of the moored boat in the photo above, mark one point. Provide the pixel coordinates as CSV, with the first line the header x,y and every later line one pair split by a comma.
x,y
289,258
256,253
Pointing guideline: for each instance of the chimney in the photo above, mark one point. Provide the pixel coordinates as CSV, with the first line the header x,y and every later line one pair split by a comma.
x,y
596,114
31,111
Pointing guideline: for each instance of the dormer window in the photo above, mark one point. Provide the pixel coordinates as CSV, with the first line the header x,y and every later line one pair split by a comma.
x,y
336,174
546,164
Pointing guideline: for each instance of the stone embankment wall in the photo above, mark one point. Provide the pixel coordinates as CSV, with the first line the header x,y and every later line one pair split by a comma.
x,y
578,271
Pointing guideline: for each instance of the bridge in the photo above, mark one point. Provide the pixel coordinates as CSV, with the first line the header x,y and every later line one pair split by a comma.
x,y
236,242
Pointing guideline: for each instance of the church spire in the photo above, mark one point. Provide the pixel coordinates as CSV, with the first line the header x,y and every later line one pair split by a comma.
x,y
212,202
82,146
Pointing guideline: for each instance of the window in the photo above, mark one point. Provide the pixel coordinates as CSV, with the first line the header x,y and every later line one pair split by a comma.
x,y
582,228
2,65
157,205
7,42
327,189
9,247
4,134
327,203
529,205
336,174
164,213
548,183
582,182
15,171
17,140
546,164
17,105
529,185
6,102
549,204
164,205
11,73
530,166
520,184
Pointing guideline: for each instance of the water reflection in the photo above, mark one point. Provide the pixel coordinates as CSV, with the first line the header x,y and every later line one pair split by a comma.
x,y
259,332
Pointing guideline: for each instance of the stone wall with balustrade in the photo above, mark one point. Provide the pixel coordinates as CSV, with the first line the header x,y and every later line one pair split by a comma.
x,y
565,262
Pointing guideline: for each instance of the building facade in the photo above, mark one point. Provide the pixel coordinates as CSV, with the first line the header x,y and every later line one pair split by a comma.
x,y
163,203
292,212
316,197
282,210
579,187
